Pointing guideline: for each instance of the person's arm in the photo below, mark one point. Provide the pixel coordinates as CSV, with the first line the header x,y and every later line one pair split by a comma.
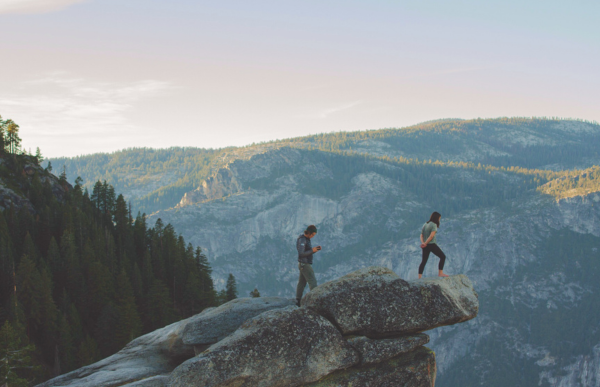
x,y
300,247
430,237
422,241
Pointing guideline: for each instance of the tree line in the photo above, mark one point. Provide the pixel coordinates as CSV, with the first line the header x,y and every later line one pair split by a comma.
x,y
81,276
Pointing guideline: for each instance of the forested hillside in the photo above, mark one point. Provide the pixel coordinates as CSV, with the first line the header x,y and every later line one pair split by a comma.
x,y
80,275
155,179
150,177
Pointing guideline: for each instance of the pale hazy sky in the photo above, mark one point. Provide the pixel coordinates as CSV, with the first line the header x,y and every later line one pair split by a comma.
x,y
101,75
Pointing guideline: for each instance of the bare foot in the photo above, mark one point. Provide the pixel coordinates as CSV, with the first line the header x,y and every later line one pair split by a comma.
x,y
442,274
420,275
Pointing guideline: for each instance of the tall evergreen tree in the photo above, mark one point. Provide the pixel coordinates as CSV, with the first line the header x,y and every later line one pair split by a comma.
x,y
12,137
129,325
159,310
16,366
49,314
66,345
104,332
88,351
231,288
38,156
28,293
2,136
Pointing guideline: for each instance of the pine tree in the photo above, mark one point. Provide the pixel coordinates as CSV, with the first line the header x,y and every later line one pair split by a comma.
x,y
222,296
38,156
209,295
96,196
66,348
12,137
101,289
63,175
2,136
49,313
70,258
159,310
129,325
88,352
28,293
231,288
7,263
55,262
106,326
16,365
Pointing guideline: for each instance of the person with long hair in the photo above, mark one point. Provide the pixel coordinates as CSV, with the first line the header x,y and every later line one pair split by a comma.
x,y
429,244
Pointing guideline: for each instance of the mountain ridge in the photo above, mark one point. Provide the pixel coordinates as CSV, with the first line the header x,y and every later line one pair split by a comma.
x,y
153,179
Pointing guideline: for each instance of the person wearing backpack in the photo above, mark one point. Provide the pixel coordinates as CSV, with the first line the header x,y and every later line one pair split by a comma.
x,y
429,244
305,260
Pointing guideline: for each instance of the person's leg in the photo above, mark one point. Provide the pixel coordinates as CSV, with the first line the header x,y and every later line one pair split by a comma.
x,y
301,284
309,275
439,253
426,252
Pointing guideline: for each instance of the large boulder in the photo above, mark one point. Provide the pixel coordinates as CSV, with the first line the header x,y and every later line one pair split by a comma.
x,y
413,369
211,327
156,353
154,381
280,348
375,302
375,351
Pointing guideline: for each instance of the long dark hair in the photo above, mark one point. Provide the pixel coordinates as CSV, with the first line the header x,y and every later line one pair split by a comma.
x,y
435,218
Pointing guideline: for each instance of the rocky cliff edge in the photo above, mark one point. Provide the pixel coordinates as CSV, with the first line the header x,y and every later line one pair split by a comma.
x,y
363,329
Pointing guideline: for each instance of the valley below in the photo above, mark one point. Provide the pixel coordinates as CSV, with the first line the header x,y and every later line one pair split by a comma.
x,y
520,205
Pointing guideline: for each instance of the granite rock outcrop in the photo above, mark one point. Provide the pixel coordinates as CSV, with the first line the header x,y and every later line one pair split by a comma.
x,y
284,348
360,330
375,302
213,326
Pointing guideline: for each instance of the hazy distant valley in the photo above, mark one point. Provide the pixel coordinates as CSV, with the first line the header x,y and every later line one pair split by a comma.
x,y
514,219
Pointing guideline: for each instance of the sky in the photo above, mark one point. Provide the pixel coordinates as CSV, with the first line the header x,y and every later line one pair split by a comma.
x,y
82,77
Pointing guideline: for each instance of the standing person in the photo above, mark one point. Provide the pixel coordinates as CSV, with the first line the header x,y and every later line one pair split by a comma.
x,y
429,244
305,260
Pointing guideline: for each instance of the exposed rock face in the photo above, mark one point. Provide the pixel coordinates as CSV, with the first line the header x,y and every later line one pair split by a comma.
x,y
223,183
212,326
286,347
11,197
156,353
233,177
413,369
375,351
266,342
154,381
376,302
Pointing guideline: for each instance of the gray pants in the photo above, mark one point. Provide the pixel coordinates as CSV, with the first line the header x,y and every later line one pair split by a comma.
x,y
306,275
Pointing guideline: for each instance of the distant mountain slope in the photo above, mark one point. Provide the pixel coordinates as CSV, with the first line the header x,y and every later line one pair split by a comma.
x,y
533,258
516,217
157,179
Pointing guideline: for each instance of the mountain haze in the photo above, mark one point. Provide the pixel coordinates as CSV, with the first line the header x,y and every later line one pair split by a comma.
x,y
519,200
